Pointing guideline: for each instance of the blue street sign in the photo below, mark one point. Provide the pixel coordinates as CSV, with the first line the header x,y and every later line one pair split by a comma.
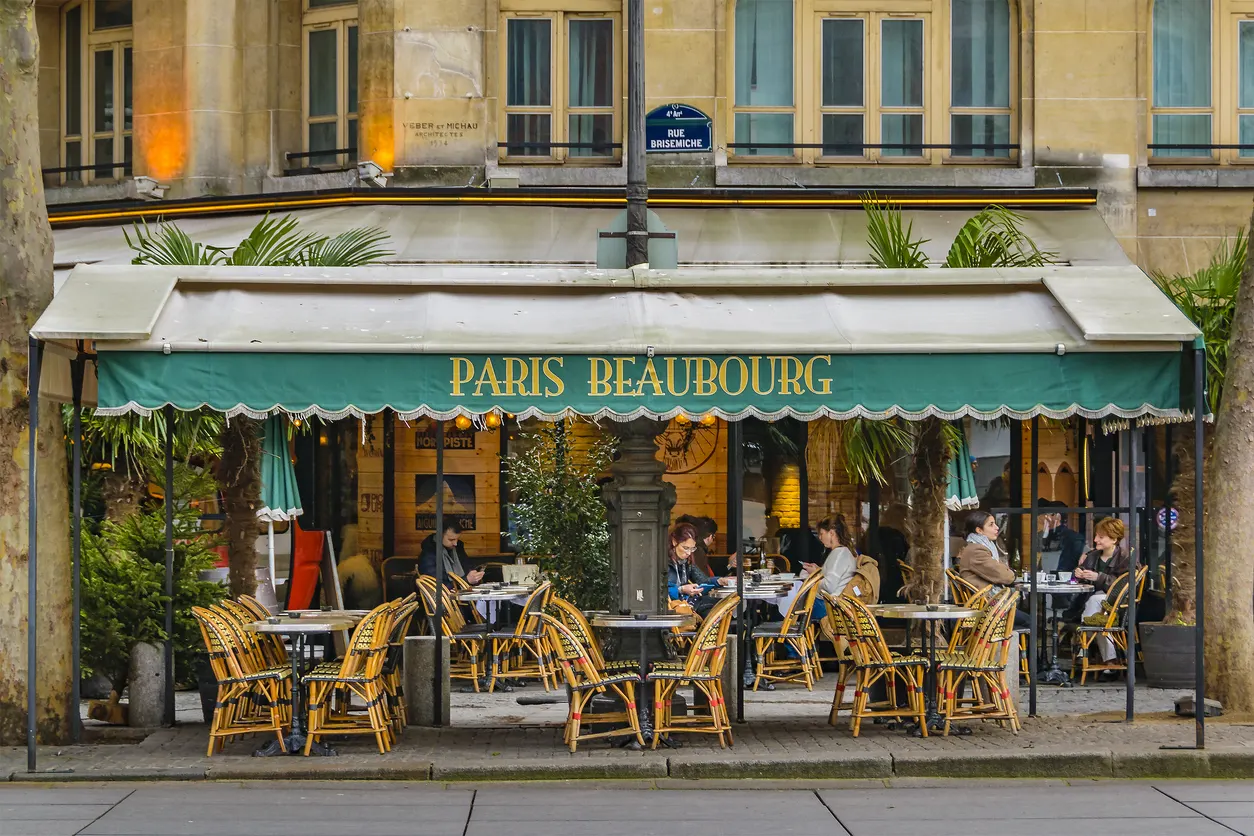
x,y
677,129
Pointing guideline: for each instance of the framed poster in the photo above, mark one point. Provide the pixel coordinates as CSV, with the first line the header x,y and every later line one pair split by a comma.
x,y
459,500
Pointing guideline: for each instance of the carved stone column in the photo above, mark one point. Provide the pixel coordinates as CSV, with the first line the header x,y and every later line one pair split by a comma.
x,y
639,504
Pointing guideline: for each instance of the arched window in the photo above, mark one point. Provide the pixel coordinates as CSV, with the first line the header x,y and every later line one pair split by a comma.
x,y
895,80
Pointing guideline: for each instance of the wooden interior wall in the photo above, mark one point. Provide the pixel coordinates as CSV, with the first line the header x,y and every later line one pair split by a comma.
x,y
370,490
702,492
830,490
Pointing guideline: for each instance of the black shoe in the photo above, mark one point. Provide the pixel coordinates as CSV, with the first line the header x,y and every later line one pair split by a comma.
x,y
1108,676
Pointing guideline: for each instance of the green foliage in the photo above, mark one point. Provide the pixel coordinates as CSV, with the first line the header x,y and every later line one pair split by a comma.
x,y
893,245
871,447
559,511
274,242
123,587
994,238
1209,299
136,444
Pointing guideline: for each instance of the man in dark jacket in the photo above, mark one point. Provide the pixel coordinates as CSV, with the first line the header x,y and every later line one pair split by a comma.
x,y
453,553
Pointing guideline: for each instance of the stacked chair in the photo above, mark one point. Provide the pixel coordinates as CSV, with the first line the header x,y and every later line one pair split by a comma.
x,y
873,662
774,664
585,680
703,671
467,641
978,658
334,685
524,652
254,695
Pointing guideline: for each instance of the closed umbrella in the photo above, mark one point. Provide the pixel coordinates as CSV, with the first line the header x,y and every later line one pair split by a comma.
x,y
280,498
961,493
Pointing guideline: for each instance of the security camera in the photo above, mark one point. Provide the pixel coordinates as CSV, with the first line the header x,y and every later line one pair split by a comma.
x,y
147,188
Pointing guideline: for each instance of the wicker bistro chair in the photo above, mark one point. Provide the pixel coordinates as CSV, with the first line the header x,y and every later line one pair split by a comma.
x,y
508,651
574,620
841,637
584,681
467,642
873,662
962,588
703,670
1110,623
359,675
770,640
981,663
248,700
393,665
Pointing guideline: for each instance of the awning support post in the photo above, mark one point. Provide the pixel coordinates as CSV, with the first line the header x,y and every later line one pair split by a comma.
x,y
1033,564
735,530
168,718
76,546
437,693
36,359
1199,515
1134,535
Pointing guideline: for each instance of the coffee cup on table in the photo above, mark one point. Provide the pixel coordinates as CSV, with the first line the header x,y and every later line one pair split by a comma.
x,y
1064,577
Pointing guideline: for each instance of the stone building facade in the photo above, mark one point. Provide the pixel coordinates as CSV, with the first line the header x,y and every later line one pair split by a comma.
x,y
1149,102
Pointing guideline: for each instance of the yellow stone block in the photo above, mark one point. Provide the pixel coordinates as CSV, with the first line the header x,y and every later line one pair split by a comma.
x,y
680,14
679,65
1060,15
1086,64
1094,128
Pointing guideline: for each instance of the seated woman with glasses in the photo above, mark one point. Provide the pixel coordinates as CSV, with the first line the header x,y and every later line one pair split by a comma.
x,y
685,582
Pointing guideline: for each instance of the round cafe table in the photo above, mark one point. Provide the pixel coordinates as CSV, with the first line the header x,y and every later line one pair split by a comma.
x,y
1053,674
305,623
642,623
928,613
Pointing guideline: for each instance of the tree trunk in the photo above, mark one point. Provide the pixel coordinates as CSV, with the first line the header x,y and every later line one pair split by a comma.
x,y
25,290
239,473
1230,487
1182,608
123,493
929,478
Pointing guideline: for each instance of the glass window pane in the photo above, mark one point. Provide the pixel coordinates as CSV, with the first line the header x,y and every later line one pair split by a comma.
x,y
1182,129
128,109
591,63
902,70
102,86
842,135
73,159
126,155
352,135
843,63
351,59
111,14
74,71
1245,128
971,130
594,130
1245,63
322,74
529,63
529,134
981,53
904,130
764,129
764,69
322,138
1182,65
315,4
104,157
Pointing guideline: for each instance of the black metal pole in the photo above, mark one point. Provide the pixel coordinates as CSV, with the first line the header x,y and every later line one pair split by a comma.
x,y
1134,533
77,369
637,177
1169,466
437,695
1033,511
803,519
1199,516
168,718
389,484
735,542
36,359
1145,516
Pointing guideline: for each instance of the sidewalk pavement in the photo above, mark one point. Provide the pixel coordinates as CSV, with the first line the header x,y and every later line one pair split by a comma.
x,y
493,737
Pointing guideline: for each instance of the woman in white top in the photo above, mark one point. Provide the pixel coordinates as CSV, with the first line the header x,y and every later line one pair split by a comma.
x,y
840,563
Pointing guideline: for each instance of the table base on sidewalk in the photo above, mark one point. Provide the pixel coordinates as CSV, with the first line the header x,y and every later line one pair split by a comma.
x,y
297,629
642,623
930,613
1053,674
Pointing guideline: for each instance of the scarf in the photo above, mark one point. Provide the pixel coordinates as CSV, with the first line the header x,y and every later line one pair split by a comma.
x,y
981,540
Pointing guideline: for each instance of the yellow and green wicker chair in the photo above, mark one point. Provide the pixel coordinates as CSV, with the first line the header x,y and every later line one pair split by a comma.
x,y
874,662
524,652
332,686
703,671
1110,623
584,681
981,663
467,642
773,640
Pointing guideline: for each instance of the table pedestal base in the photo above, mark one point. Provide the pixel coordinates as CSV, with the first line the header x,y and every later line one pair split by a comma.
x,y
295,743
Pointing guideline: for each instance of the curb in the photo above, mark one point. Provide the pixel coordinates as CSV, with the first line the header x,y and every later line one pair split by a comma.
x,y
857,766
180,773
309,769
552,769
1036,763
1184,763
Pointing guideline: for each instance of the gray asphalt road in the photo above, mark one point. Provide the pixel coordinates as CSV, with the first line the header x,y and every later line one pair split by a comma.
x,y
971,808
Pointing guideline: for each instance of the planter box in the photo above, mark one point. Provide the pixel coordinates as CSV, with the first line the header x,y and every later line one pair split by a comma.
x,y
1168,653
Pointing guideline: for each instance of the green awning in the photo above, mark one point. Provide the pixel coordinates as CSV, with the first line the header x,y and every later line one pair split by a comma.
x,y
620,344
622,387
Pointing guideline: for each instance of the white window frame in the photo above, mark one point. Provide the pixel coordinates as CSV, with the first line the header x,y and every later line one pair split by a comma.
x,y
117,40
340,18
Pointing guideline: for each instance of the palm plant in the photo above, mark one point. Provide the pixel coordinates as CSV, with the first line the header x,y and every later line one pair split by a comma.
x,y
1208,298
993,237
273,242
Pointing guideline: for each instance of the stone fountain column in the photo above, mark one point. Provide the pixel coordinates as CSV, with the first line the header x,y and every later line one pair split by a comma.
x,y
639,504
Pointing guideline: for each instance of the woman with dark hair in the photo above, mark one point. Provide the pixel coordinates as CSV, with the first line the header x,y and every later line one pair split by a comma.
x,y
841,562
981,561
684,581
